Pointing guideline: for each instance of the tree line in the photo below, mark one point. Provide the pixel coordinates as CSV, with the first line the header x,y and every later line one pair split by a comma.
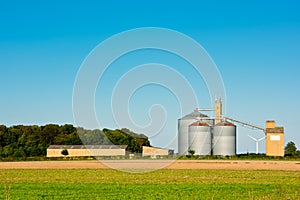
x,y
32,141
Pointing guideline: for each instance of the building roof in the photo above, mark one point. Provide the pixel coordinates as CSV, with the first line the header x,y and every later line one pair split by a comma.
x,y
87,147
275,130
156,148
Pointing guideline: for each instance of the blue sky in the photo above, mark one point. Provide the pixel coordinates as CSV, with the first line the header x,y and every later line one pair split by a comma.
x,y
255,45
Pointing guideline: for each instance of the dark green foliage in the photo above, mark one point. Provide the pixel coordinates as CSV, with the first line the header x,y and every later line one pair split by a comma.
x,y
191,152
290,149
31,141
65,152
93,137
134,141
3,131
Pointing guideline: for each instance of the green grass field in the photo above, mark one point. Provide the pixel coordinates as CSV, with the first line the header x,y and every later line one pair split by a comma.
x,y
161,184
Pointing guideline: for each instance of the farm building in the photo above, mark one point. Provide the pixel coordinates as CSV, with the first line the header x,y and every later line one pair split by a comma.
x,y
154,152
87,150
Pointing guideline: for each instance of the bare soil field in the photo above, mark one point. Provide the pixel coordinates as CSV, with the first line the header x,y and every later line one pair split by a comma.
x,y
155,164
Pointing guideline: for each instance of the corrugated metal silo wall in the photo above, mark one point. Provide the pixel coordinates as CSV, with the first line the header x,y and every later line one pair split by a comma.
x,y
183,128
224,140
200,140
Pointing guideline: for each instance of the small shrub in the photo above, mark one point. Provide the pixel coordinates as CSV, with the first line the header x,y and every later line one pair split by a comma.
x,y
65,152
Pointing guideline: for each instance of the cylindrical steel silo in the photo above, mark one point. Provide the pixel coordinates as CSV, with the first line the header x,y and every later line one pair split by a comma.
x,y
183,131
224,139
200,138
183,126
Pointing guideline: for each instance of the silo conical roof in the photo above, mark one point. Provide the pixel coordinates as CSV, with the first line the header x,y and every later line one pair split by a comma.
x,y
225,124
199,123
194,115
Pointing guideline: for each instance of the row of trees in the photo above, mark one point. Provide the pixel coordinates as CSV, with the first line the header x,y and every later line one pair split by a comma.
x,y
31,141
123,136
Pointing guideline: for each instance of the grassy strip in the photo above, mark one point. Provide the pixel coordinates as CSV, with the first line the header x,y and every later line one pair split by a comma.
x,y
151,191
161,184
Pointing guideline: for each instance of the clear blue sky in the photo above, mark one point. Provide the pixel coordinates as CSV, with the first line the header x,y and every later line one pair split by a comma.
x,y
255,45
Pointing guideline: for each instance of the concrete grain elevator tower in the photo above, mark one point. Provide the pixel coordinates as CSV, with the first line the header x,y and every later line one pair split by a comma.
x,y
274,139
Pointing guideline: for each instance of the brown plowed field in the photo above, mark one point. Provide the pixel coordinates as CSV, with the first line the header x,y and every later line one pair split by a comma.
x,y
156,164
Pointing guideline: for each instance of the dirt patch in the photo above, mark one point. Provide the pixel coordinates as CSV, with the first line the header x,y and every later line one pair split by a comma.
x,y
236,165
155,164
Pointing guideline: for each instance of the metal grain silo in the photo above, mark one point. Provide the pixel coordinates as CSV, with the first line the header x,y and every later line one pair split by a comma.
x,y
183,128
200,138
224,139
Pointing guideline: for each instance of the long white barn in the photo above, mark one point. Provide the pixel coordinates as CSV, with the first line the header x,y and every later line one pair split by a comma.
x,y
87,150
